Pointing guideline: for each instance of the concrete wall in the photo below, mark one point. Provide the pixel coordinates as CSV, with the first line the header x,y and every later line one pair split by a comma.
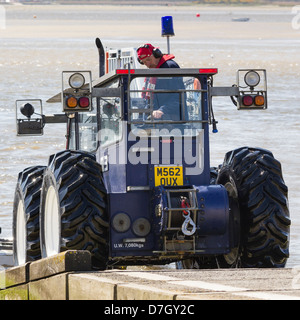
x,y
43,279
68,276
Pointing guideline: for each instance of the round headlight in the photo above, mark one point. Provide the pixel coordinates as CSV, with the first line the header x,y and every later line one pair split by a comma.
x,y
252,78
76,81
121,222
27,110
141,227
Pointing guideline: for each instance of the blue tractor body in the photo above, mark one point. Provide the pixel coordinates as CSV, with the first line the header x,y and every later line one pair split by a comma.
x,y
152,165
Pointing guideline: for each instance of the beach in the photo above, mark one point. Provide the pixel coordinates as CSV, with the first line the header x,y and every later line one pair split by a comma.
x,y
139,22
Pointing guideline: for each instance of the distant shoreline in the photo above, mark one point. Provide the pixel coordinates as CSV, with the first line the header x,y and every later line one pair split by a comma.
x,y
154,3
42,21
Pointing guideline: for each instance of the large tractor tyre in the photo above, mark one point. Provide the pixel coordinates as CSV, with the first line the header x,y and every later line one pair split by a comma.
x,y
73,207
26,208
253,179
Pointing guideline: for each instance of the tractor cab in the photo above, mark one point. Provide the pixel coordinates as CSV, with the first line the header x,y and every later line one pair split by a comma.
x,y
122,118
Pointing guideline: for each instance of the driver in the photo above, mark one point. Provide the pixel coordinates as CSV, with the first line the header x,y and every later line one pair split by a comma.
x,y
166,105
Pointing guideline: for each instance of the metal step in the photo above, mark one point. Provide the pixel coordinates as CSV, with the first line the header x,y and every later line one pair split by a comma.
x,y
6,253
6,244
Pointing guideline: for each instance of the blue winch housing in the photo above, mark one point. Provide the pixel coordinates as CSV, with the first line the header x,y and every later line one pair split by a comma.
x,y
164,238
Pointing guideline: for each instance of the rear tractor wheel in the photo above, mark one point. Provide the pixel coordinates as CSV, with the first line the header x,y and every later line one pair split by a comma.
x,y
258,202
256,189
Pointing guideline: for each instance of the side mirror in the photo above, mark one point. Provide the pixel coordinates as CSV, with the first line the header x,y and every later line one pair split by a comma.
x,y
29,117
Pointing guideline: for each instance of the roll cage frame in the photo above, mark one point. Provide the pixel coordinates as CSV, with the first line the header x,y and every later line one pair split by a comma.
x,y
123,92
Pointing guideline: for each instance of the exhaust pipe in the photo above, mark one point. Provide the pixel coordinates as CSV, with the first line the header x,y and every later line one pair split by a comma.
x,y
101,53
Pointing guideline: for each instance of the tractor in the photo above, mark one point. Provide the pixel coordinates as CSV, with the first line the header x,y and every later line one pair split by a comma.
x,y
136,190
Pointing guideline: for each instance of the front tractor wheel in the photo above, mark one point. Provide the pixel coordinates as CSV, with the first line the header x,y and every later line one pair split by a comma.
x,y
26,228
255,185
73,207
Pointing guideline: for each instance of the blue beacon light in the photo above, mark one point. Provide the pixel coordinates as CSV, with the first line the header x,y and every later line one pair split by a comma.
x,y
167,26
167,29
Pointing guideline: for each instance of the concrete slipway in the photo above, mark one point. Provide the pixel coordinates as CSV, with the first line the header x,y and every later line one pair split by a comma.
x,y
68,276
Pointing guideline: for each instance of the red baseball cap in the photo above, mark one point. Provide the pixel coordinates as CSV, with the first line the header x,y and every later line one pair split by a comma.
x,y
145,51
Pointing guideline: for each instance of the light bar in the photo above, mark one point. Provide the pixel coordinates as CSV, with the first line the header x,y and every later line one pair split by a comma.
x,y
208,71
253,101
73,102
124,71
